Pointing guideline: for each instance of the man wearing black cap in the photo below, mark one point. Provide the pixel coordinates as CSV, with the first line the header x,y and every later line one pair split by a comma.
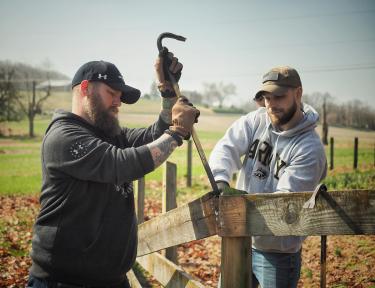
x,y
86,232
281,153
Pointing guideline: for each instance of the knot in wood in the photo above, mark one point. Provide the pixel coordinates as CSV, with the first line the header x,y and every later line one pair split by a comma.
x,y
291,213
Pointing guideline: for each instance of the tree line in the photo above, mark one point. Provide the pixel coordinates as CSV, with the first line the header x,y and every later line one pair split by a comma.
x,y
353,113
19,98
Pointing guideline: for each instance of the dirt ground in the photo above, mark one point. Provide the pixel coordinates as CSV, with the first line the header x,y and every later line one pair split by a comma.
x,y
350,259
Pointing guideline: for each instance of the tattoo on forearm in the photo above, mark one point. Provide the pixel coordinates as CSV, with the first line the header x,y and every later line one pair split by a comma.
x,y
161,149
166,109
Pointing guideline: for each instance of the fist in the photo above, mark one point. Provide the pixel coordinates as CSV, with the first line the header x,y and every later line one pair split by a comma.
x,y
167,65
184,115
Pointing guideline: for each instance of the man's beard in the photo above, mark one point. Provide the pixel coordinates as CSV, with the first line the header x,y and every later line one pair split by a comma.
x,y
101,117
284,117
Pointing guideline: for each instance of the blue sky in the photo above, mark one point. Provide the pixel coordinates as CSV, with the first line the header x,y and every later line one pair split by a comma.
x,y
331,43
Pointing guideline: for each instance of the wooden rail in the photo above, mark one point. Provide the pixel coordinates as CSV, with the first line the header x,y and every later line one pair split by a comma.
x,y
237,216
242,216
190,222
282,214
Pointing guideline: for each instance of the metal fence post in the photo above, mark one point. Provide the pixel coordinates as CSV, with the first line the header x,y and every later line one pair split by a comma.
x,y
355,164
189,163
332,143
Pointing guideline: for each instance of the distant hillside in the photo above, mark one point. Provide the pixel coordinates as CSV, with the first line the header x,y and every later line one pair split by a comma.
x,y
25,72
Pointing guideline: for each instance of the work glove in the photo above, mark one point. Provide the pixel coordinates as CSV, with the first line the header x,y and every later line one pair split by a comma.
x,y
184,115
222,185
164,63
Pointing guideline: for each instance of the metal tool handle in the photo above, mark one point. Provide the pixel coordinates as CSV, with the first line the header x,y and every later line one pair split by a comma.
x,y
168,35
197,143
194,135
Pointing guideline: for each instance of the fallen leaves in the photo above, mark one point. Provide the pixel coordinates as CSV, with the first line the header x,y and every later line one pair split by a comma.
x,y
17,215
350,259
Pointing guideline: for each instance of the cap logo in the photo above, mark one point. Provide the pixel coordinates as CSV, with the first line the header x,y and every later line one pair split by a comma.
x,y
100,76
271,76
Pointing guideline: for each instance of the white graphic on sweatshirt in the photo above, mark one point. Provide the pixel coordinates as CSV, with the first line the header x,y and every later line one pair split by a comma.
x,y
125,189
264,156
78,150
260,173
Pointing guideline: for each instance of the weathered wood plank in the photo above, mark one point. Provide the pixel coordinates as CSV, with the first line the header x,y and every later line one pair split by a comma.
x,y
169,201
167,273
281,214
193,221
140,199
133,281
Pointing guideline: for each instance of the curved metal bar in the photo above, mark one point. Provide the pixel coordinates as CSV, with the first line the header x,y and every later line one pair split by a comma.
x,y
168,35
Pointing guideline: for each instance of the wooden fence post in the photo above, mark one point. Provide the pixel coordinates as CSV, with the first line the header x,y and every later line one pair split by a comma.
x,y
169,200
331,154
189,163
140,196
355,164
236,264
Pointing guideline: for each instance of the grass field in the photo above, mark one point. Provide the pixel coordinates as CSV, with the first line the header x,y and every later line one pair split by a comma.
x,y
20,171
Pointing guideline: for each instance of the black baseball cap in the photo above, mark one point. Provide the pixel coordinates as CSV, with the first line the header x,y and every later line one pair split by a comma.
x,y
106,72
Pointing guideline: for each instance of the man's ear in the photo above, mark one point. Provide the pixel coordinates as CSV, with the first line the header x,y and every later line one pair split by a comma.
x,y
299,92
84,87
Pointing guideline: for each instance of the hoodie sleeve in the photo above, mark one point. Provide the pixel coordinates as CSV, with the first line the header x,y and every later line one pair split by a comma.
x,y
141,136
72,150
306,169
225,158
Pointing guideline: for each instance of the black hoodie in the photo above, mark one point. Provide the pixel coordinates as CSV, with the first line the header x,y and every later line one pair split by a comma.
x,y
86,231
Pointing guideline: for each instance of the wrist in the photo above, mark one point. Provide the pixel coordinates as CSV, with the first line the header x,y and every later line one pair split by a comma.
x,y
166,90
177,137
167,103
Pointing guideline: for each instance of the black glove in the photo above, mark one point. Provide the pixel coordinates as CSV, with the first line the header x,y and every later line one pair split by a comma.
x,y
166,64
171,64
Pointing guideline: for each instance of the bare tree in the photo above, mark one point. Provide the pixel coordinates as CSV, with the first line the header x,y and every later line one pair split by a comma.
x,y
9,110
218,92
33,105
194,96
154,91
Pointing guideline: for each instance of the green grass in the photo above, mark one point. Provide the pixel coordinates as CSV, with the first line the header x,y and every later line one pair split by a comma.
x,y
20,172
344,156
20,130
308,273
351,180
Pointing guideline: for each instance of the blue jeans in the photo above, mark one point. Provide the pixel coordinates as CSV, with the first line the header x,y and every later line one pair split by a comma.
x,y
276,270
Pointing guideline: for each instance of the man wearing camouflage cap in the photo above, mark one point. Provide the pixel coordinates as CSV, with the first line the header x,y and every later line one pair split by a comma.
x,y
282,153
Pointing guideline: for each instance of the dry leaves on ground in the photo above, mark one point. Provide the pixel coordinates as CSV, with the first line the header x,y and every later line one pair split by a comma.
x,y
350,259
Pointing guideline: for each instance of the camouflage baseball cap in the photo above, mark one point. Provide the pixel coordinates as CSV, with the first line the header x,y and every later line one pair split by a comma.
x,y
278,80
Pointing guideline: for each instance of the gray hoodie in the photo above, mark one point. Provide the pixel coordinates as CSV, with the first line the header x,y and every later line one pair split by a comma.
x,y
277,161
